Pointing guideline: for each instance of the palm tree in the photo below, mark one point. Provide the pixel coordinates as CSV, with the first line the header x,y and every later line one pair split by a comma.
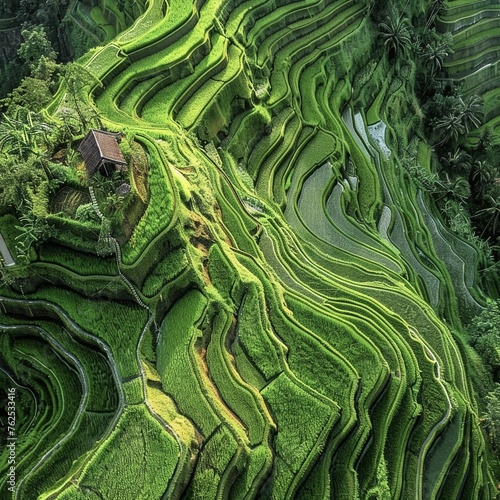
x,y
396,33
470,111
23,135
458,160
493,211
434,54
13,137
480,175
449,127
457,188
485,140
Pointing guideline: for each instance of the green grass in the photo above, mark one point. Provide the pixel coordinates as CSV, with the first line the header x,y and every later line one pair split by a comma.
x,y
143,474
176,364
303,424
166,270
259,348
239,397
160,209
117,324
134,393
208,477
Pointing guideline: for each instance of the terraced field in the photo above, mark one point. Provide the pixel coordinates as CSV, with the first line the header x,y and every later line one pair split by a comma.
x,y
476,44
284,320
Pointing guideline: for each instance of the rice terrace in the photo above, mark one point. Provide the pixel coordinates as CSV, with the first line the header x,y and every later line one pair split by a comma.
x,y
249,249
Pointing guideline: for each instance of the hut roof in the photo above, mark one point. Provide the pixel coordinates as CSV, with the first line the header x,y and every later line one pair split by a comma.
x,y
99,146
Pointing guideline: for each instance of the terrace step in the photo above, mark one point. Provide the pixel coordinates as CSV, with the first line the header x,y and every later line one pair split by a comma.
x,y
456,19
300,22
274,164
166,97
290,55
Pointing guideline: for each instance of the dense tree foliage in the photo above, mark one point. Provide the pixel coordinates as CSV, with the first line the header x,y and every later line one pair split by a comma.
x,y
484,332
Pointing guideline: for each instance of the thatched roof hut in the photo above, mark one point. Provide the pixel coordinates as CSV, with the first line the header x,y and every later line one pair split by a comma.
x,y
101,153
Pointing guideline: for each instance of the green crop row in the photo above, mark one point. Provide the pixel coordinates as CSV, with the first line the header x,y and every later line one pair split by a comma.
x,y
223,275
89,286
357,349
99,19
102,394
491,107
305,345
212,98
215,61
77,235
238,396
160,20
481,80
155,94
268,143
176,366
282,35
293,215
250,130
77,262
369,188
66,390
104,60
274,257
238,222
458,8
67,460
339,232
131,101
163,99
314,74
284,14
338,291
253,332
467,59
134,391
254,474
326,36
160,209
166,270
270,183
303,424
218,452
372,454
442,453
114,15
137,461
288,343
474,34
82,18
358,240
119,325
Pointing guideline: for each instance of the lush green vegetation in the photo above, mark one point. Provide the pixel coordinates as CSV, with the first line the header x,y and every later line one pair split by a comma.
x,y
293,289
